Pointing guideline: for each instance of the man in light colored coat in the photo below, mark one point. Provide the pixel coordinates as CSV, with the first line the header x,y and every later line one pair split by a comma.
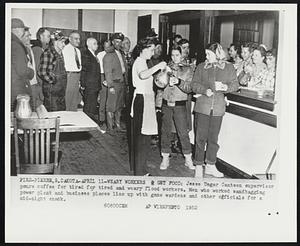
x,y
115,70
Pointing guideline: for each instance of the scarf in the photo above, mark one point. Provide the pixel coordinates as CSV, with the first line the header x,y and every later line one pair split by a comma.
x,y
220,55
220,64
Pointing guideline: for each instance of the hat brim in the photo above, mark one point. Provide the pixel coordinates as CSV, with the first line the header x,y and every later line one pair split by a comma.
x,y
60,38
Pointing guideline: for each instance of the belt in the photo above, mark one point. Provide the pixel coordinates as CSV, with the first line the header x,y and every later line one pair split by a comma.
x,y
73,72
176,103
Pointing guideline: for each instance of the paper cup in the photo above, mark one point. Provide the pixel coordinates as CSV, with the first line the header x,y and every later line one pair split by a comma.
x,y
218,85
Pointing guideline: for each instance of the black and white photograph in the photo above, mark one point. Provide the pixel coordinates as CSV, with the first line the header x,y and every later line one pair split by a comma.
x,y
158,109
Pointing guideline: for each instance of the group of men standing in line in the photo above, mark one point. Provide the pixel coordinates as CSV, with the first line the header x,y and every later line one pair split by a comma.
x,y
57,75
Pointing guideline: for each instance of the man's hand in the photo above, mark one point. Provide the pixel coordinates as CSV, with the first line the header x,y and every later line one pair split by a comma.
x,y
42,111
98,98
112,90
161,65
173,81
29,65
81,90
224,87
104,83
209,92
220,86
168,69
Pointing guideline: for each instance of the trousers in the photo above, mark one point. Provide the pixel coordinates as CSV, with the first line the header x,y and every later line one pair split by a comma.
x,y
177,115
207,129
73,96
115,102
102,103
90,103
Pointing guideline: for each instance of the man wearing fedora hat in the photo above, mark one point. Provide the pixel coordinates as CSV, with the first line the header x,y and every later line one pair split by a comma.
x,y
116,71
21,69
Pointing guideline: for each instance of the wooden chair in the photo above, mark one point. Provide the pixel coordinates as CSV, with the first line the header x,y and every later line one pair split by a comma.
x,y
36,156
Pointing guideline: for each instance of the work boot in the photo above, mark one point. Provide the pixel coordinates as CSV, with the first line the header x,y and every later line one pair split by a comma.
x,y
165,161
118,122
110,121
102,126
188,161
199,171
213,171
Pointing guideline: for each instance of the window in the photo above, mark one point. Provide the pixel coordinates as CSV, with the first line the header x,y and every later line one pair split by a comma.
x,y
247,30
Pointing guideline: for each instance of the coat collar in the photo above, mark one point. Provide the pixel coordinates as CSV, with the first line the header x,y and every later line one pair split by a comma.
x,y
54,52
220,64
16,39
90,52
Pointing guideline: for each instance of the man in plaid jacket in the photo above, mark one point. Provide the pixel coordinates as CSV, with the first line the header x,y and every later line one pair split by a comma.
x,y
53,73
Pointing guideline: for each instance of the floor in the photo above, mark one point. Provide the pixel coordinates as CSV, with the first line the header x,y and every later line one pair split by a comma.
x,y
95,153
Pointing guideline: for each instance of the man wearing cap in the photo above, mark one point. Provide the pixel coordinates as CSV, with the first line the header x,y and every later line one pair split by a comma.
x,y
37,98
53,73
129,61
21,68
72,58
107,47
39,45
115,70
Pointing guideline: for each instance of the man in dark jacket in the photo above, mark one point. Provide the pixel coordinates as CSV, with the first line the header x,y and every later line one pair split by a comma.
x,y
21,68
90,79
115,69
37,97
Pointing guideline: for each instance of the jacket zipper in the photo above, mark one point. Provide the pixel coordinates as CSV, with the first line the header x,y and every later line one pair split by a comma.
x,y
212,103
213,96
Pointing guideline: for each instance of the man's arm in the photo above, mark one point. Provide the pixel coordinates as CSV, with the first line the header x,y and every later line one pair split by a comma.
x,y
185,81
197,86
126,69
20,63
108,68
84,70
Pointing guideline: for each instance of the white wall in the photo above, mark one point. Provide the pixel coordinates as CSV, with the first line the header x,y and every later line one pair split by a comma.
x,y
226,34
154,16
132,27
121,21
126,22
98,20
268,33
32,18
183,30
61,18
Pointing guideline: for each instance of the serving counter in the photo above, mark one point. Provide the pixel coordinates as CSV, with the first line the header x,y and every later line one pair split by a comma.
x,y
249,136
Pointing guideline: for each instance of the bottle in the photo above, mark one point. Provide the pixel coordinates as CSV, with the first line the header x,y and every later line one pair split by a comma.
x,y
23,109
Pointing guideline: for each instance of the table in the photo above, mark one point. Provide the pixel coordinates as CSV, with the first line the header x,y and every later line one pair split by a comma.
x,y
70,121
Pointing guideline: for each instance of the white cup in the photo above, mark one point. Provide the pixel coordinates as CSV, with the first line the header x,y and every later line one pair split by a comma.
x,y
218,85
260,93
